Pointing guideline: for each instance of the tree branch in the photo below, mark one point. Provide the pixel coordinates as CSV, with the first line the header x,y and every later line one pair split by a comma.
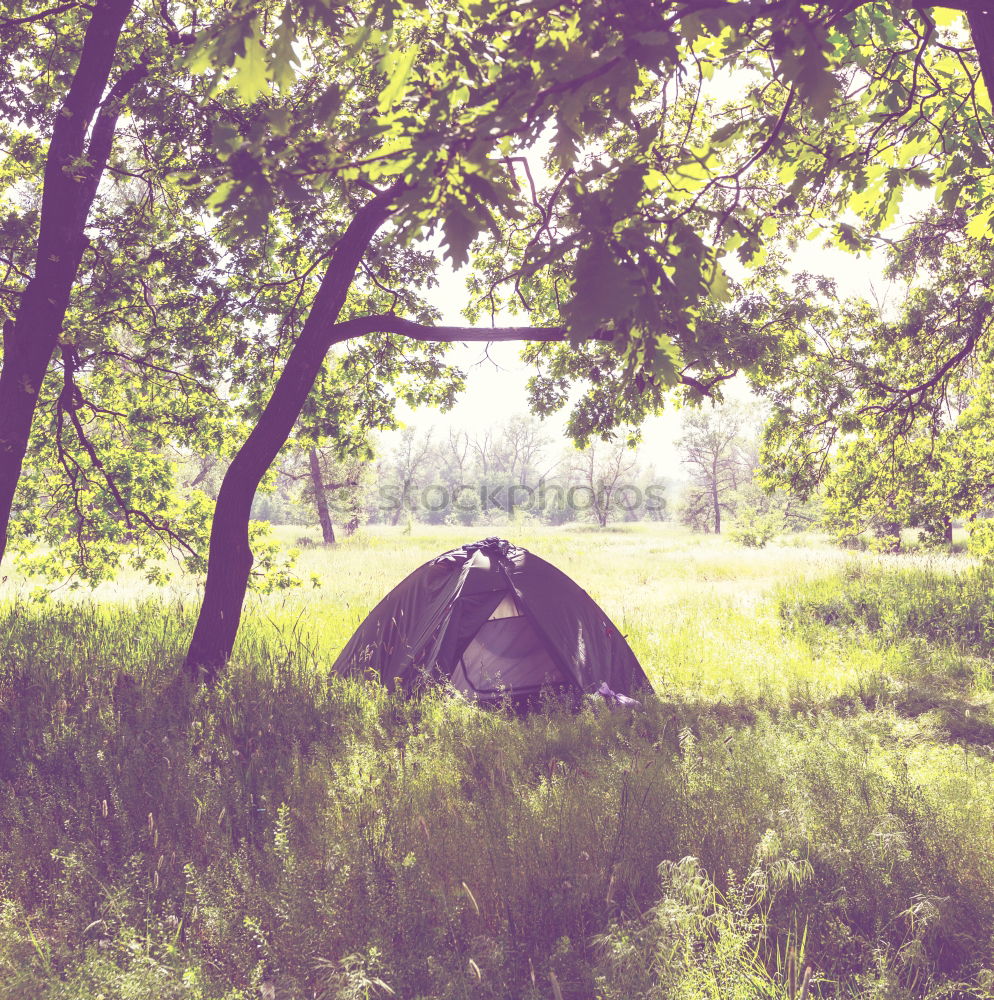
x,y
15,22
105,126
704,388
389,323
363,326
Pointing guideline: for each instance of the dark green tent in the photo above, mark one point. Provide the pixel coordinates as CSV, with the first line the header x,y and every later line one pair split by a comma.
x,y
497,623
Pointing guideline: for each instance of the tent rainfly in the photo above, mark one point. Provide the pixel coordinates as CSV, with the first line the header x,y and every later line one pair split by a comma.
x,y
496,622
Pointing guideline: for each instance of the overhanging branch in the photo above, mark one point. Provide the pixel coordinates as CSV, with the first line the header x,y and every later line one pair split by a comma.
x,y
9,23
704,387
389,323
363,326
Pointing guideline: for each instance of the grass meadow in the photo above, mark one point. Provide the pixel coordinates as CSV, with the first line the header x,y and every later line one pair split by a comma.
x,y
804,808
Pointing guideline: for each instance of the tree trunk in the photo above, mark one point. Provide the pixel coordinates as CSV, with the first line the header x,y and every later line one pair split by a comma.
x,y
320,498
602,507
890,533
229,560
982,33
67,194
401,505
206,465
717,510
20,380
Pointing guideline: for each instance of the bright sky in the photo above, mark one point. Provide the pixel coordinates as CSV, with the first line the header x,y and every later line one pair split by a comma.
x,y
496,377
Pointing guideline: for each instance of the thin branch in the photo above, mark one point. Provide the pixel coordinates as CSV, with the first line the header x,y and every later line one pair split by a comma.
x,y
15,22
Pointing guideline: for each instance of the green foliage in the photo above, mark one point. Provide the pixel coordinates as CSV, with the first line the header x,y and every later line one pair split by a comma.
x,y
887,411
949,606
721,453
178,325
652,179
981,542
754,529
651,182
272,565
700,942
117,962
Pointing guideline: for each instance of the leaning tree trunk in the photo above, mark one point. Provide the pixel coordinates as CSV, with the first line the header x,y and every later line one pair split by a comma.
x,y
320,498
229,562
31,338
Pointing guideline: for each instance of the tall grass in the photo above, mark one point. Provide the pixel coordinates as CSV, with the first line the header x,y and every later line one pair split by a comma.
x,y
796,797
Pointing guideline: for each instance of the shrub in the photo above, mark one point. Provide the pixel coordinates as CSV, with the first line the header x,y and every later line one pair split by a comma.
x,y
754,529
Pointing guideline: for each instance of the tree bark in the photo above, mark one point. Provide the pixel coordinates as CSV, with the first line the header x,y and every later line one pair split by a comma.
x,y
982,33
73,169
320,499
229,561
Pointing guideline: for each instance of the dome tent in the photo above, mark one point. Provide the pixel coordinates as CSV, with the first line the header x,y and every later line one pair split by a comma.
x,y
498,623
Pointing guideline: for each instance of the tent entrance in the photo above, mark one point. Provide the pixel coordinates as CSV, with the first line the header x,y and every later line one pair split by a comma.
x,y
505,655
